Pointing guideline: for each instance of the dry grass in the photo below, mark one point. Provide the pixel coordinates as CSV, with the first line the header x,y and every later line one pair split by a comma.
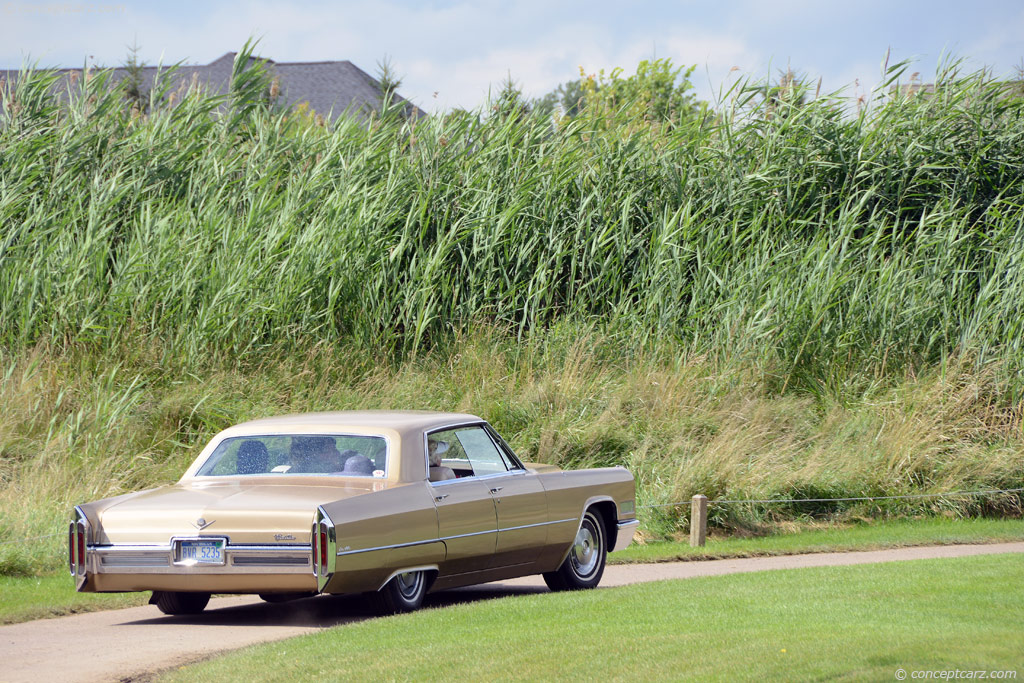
x,y
79,427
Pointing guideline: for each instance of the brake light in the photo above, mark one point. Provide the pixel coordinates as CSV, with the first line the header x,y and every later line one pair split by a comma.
x,y
81,548
323,549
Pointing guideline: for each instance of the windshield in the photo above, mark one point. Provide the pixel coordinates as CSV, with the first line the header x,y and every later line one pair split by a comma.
x,y
279,455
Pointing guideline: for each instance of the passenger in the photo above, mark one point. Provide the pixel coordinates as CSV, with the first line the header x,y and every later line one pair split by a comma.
x,y
438,472
314,455
252,458
328,458
300,456
357,464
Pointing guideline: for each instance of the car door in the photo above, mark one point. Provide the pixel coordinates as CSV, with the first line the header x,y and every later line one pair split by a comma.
x,y
467,520
519,501
521,507
466,523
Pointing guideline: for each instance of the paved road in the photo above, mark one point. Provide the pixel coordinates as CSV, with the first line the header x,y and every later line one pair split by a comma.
x,y
133,643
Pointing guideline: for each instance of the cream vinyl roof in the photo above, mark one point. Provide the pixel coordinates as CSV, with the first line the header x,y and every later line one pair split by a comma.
x,y
401,421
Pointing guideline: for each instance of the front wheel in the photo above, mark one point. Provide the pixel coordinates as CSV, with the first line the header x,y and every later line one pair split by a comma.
x,y
585,564
403,593
176,602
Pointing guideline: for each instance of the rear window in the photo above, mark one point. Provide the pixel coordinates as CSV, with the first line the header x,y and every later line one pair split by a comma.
x,y
346,455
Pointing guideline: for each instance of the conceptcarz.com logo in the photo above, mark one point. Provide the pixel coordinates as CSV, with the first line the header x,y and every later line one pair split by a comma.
x,y
953,674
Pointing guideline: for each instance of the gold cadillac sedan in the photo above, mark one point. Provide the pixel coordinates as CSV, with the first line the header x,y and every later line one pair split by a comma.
x,y
393,504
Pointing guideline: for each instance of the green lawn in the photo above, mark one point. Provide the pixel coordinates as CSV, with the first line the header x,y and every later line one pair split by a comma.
x,y
857,622
868,536
24,599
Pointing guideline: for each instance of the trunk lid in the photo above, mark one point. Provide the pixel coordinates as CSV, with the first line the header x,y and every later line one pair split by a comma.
x,y
246,511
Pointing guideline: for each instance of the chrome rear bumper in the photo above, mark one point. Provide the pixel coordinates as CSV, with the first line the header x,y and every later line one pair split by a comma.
x,y
238,559
624,537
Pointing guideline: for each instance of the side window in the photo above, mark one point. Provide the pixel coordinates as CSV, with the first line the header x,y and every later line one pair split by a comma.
x,y
467,451
511,461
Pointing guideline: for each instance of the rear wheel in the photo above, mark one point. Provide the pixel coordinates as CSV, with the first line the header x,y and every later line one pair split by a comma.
x,y
403,593
585,563
175,602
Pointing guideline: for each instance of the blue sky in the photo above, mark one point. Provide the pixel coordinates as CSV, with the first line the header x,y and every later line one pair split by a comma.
x,y
450,53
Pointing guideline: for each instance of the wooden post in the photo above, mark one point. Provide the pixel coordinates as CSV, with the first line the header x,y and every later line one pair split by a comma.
x,y
698,520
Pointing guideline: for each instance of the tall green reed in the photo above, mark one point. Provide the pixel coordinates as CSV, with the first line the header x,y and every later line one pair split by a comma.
x,y
822,240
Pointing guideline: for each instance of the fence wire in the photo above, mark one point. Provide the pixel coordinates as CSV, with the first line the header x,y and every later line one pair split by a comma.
x,y
843,500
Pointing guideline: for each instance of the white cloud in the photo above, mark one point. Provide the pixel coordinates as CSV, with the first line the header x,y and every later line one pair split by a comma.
x,y
1001,45
459,49
555,56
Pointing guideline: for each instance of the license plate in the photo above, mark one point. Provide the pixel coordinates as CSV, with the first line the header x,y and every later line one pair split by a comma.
x,y
201,552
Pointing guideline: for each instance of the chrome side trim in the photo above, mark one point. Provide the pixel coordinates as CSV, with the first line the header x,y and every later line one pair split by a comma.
x,y
627,530
471,533
411,544
530,526
478,477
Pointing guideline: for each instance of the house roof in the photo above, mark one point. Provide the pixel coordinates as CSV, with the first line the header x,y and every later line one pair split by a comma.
x,y
329,87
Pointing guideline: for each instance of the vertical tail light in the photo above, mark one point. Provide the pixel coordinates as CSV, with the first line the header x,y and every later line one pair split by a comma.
x,y
324,547
78,541
81,548
315,541
73,548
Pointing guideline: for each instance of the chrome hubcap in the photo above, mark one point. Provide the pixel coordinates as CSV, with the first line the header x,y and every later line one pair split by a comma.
x,y
409,583
586,551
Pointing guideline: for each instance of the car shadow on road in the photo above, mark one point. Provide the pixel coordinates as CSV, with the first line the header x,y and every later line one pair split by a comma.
x,y
324,611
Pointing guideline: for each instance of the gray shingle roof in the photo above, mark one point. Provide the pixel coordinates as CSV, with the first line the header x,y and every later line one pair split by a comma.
x,y
329,87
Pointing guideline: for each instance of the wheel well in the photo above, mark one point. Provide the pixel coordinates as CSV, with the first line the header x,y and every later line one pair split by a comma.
x,y
430,574
431,577
610,519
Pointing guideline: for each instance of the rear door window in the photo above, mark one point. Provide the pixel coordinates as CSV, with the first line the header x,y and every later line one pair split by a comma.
x,y
468,451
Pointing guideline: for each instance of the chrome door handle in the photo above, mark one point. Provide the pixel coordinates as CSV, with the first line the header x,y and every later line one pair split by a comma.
x,y
441,497
496,489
